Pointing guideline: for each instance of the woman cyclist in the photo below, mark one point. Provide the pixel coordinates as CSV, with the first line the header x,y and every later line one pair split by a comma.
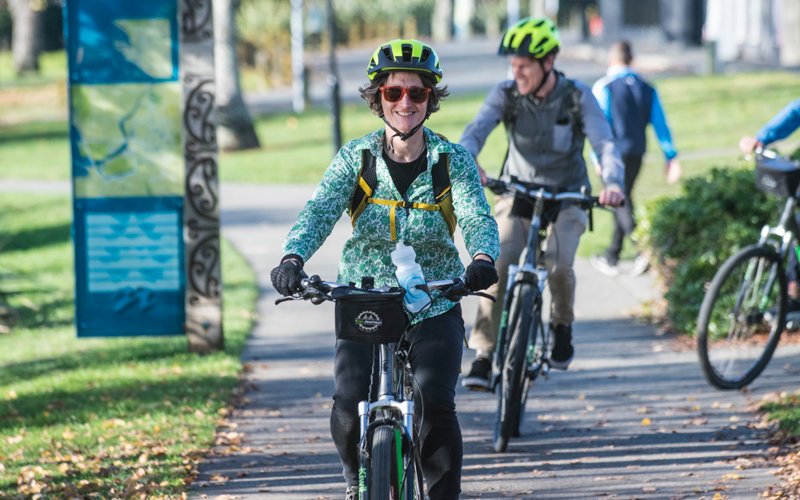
x,y
403,90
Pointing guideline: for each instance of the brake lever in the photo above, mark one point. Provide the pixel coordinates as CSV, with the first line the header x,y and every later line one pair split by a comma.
x,y
283,299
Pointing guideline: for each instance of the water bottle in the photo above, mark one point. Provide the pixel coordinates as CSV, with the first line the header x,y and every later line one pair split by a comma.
x,y
409,275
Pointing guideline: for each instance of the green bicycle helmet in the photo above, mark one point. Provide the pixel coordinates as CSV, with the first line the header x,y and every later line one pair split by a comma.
x,y
405,55
533,36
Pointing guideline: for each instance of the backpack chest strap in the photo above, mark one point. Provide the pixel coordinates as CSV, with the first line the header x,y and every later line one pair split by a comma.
x,y
395,204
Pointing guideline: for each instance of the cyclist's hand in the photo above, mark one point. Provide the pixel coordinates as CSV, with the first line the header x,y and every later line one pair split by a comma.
x,y
748,144
286,277
611,196
480,274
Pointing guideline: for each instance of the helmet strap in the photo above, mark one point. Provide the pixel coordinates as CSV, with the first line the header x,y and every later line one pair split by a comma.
x,y
404,136
544,78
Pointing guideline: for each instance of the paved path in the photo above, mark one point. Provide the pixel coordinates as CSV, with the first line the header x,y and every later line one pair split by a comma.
x,y
632,418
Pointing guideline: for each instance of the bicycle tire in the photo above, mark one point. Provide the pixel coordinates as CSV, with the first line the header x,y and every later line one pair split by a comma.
x,y
384,469
514,371
742,317
538,336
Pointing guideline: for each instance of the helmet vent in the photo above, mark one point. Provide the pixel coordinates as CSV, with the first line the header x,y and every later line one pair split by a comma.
x,y
406,53
425,54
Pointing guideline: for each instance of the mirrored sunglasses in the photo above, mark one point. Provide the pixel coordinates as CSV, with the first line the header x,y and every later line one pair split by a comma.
x,y
395,93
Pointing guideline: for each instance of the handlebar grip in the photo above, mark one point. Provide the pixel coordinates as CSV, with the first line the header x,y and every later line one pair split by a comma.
x,y
496,185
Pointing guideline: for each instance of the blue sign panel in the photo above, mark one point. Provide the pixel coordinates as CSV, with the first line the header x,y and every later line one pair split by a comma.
x,y
129,266
127,166
122,41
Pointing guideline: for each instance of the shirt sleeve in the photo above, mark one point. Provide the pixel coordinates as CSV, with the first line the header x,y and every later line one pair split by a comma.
x,y
659,121
490,114
599,133
781,125
603,96
472,210
330,199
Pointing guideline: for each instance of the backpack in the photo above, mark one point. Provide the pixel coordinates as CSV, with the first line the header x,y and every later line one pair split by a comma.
x,y
368,181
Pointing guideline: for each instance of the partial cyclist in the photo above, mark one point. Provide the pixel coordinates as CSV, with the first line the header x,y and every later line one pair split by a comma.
x,y
547,118
779,127
402,185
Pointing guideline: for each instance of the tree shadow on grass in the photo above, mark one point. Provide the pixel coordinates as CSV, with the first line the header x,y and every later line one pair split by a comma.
x,y
127,399
34,132
103,356
36,238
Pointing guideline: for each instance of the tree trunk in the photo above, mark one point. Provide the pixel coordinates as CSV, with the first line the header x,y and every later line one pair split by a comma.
x,y
26,41
442,20
235,129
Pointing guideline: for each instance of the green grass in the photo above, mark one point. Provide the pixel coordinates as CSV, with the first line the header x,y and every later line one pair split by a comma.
x,y
99,417
786,410
52,69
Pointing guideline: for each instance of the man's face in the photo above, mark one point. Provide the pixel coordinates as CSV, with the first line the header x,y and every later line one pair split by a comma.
x,y
528,73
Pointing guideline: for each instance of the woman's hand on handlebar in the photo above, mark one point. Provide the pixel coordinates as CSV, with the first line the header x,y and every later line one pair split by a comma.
x,y
480,273
611,196
287,277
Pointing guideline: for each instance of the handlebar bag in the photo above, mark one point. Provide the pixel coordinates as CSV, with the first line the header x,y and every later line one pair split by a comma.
x,y
777,176
370,317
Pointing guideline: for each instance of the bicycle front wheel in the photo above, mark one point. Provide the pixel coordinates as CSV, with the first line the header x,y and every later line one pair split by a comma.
x,y
515,366
385,464
742,317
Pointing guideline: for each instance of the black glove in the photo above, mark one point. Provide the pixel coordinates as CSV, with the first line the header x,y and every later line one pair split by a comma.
x,y
480,275
286,277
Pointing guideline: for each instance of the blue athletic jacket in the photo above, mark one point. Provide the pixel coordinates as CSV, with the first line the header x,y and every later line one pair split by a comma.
x,y
629,104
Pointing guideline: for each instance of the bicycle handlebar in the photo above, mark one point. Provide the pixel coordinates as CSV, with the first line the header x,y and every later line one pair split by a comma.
x,y
498,186
318,291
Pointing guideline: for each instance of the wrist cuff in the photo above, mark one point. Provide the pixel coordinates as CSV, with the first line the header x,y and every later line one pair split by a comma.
x,y
293,256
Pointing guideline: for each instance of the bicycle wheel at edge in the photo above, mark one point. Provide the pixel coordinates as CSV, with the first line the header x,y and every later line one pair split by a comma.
x,y
384,469
742,317
514,373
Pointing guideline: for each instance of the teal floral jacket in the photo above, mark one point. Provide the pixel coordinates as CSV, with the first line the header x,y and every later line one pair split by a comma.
x,y
367,252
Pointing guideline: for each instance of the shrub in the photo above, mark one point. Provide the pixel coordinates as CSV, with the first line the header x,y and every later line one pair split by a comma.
x,y
690,235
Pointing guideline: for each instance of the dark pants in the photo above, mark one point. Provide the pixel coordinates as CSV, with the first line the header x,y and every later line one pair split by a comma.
x,y
624,221
435,355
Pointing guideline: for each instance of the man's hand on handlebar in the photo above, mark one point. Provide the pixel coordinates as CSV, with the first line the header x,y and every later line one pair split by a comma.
x,y
611,196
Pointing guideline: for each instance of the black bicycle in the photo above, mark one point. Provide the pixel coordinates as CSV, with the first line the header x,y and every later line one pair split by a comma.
x,y
389,458
743,313
523,345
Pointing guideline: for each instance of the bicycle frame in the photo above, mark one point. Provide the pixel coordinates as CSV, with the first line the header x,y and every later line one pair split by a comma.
x,y
527,270
782,236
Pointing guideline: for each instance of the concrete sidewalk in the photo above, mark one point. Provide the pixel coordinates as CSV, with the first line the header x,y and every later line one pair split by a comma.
x,y
632,418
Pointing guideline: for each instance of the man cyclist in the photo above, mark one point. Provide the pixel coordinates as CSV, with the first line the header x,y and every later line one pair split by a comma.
x,y
547,118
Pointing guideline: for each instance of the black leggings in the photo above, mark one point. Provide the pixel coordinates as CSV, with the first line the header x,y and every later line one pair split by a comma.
x,y
436,349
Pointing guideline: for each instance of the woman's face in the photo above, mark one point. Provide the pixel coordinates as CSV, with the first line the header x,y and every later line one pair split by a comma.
x,y
404,114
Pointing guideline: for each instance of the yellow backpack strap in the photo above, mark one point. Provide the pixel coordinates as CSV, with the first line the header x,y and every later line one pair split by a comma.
x,y
442,192
367,180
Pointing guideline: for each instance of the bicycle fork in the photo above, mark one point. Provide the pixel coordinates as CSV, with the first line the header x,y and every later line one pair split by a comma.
x,y
388,404
527,274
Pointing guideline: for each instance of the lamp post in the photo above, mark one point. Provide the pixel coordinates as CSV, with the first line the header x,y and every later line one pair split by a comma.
x,y
333,79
